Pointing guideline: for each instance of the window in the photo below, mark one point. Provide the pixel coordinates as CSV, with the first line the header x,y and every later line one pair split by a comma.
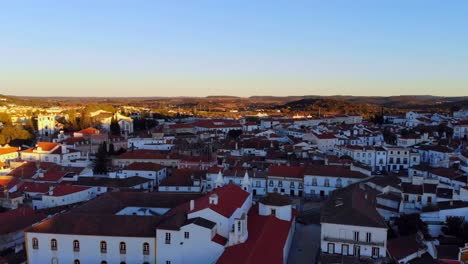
x,y
429,199
35,243
270,183
146,248
405,197
76,246
123,248
257,183
300,185
356,236
292,185
273,212
168,262
368,237
76,261
314,181
103,262
345,249
327,183
103,247
419,198
53,244
168,238
239,226
375,252
338,183
331,248
186,235
280,183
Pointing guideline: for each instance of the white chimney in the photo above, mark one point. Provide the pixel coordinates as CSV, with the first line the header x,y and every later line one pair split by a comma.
x,y
192,205
214,199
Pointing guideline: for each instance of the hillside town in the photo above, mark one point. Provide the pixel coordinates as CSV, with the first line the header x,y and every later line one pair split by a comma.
x,y
123,185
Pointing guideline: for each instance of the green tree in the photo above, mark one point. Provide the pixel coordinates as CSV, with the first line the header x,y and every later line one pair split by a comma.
x,y
454,225
101,161
234,133
114,127
409,224
5,119
111,149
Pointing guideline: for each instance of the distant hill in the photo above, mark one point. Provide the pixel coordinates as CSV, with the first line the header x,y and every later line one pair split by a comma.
x,y
330,106
335,103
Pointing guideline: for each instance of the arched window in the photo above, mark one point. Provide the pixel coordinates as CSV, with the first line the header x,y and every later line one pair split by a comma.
x,y
146,248
76,261
76,246
103,247
103,262
123,248
35,243
53,244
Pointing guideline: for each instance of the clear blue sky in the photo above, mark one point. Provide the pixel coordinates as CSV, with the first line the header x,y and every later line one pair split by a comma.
x,y
243,48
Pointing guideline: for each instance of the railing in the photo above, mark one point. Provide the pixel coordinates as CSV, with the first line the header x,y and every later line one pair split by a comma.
x,y
349,241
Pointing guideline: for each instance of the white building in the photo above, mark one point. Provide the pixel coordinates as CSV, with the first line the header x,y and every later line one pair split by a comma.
x,y
460,130
110,229
47,125
50,152
351,226
286,180
149,170
237,176
8,154
64,195
320,180
325,141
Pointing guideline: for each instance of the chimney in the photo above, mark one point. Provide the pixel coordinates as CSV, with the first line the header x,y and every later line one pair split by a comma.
x,y
192,205
214,199
64,149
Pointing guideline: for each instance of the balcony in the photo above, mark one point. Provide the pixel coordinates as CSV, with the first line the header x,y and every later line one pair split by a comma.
x,y
353,242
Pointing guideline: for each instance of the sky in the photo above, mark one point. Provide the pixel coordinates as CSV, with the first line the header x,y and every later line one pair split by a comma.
x,y
240,48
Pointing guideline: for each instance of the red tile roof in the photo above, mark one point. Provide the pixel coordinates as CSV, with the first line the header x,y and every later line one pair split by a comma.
x,y
144,166
53,176
18,219
35,187
89,131
182,177
46,146
8,150
334,171
219,239
177,126
325,136
286,171
230,197
146,154
266,242
404,246
62,190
